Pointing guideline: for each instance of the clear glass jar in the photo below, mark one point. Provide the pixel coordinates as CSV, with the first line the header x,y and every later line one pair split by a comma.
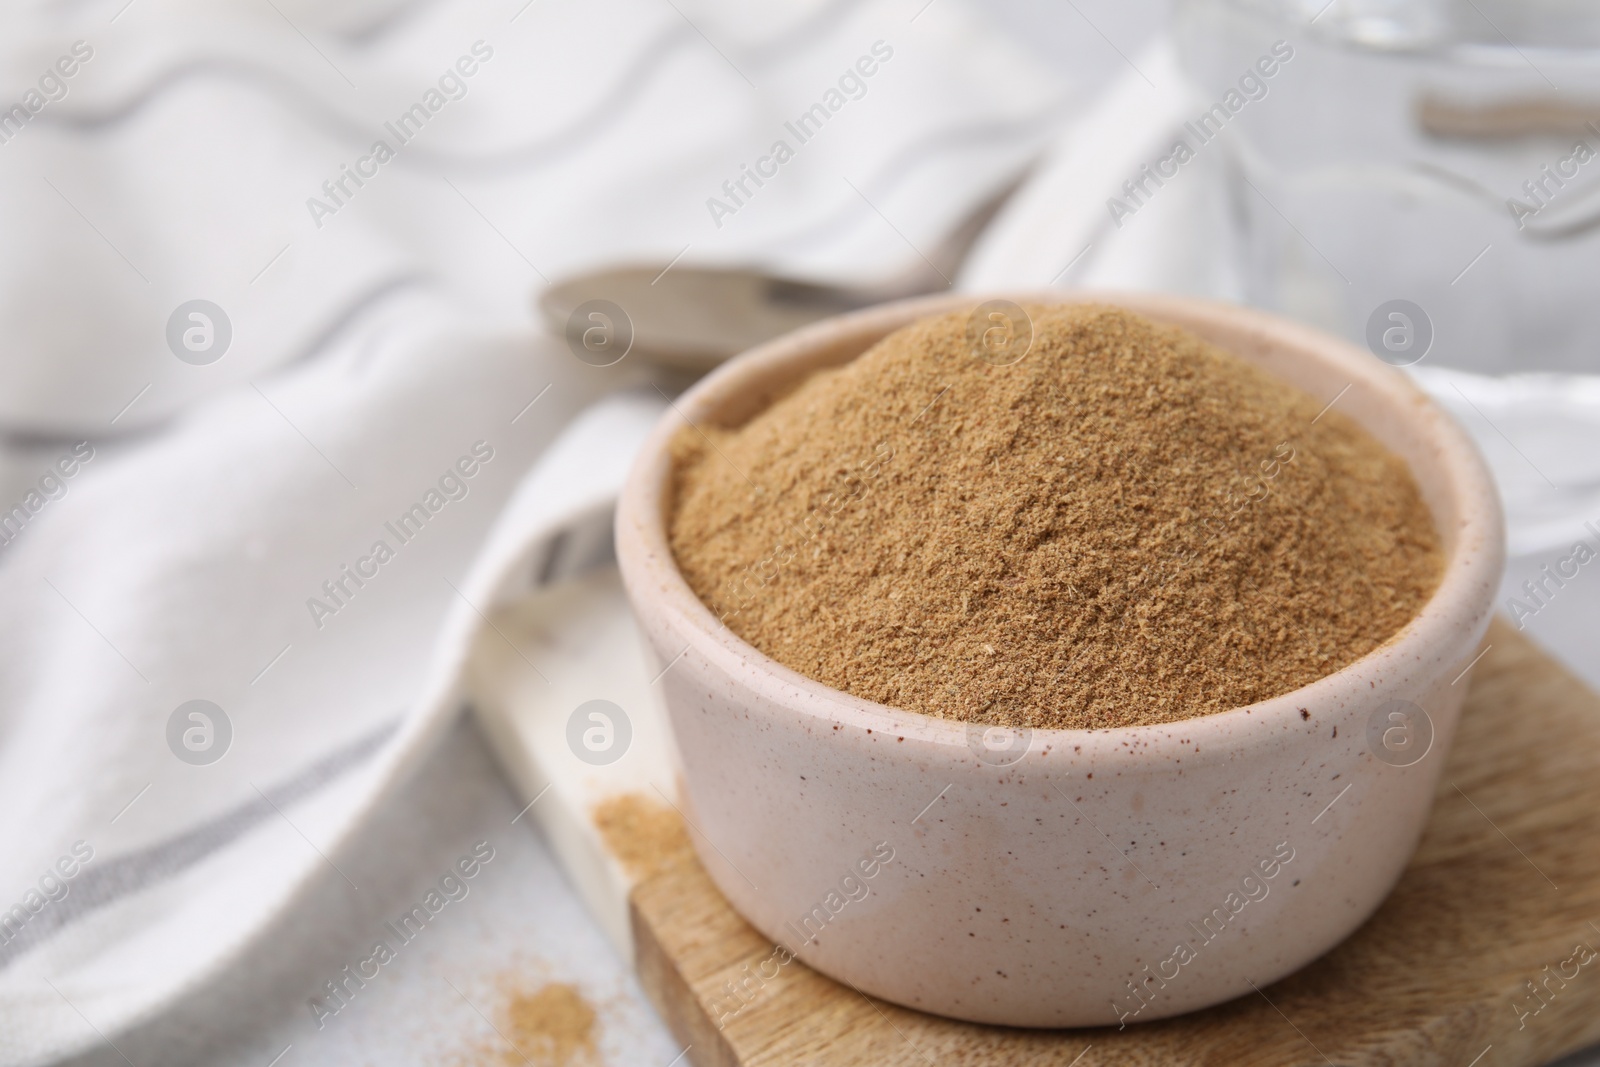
x,y
1445,153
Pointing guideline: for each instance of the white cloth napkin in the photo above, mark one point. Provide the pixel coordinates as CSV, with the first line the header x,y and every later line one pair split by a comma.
x,y
210,531
188,569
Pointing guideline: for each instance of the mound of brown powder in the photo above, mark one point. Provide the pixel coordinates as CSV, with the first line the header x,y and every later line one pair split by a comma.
x,y
1127,526
553,1025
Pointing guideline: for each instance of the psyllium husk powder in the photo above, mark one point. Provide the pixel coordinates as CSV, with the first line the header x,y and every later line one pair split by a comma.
x,y
1127,526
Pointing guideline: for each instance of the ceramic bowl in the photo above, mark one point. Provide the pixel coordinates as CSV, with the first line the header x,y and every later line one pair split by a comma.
x,y
1064,877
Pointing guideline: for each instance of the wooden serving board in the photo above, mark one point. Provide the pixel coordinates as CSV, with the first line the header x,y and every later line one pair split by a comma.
x,y
1506,884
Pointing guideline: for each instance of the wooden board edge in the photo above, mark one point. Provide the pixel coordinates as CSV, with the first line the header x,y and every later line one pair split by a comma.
x,y
674,998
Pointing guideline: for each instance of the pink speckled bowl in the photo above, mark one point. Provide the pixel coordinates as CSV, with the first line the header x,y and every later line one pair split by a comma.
x,y
1097,876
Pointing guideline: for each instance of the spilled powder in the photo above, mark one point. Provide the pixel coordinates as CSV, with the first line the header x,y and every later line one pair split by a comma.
x,y
552,1026
643,834
1128,526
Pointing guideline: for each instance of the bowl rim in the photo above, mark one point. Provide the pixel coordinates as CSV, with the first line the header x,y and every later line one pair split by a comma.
x,y
1457,612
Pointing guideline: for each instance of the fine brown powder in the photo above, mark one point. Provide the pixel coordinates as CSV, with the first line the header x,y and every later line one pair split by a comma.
x,y
553,1025
645,835
1128,526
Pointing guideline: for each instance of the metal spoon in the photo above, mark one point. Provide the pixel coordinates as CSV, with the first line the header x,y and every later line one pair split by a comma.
x,y
692,318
